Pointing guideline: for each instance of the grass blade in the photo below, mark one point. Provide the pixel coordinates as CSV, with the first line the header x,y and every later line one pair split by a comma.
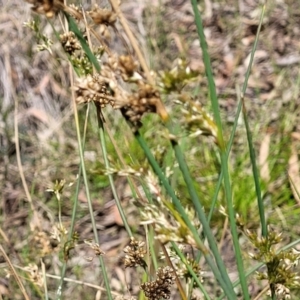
x,y
249,136
227,289
223,153
196,201
74,28
111,180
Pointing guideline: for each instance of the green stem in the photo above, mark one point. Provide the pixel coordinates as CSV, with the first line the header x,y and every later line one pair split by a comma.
x,y
249,136
197,204
191,271
75,204
221,144
110,177
227,289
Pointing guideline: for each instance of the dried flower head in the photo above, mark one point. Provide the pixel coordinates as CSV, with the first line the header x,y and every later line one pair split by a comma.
x,y
135,253
58,232
167,229
178,77
183,271
161,287
75,12
69,42
94,246
153,185
196,119
42,242
34,274
102,16
281,292
92,88
127,66
280,264
57,188
146,99
46,7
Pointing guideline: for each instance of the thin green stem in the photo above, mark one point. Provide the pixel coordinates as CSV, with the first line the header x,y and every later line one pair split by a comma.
x,y
75,203
191,271
259,265
249,136
151,243
220,179
110,177
89,201
197,203
221,144
229,291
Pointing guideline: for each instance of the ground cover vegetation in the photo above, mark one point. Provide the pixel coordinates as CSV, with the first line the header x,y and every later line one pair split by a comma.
x,y
149,150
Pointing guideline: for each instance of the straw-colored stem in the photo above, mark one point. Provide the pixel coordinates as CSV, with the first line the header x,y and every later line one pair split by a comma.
x,y
133,42
179,285
75,203
89,201
14,273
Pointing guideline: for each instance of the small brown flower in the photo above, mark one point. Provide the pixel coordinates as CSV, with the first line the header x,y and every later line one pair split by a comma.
x,y
103,16
95,246
127,66
92,88
42,242
147,99
159,288
47,7
34,275
135,253
69,42
74,11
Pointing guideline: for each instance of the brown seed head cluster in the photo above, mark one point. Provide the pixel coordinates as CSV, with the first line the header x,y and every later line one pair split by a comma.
x,y
95,246
184,272
75,12
47,7
127,66
161,287
135,253
34,274
69,42
103,16
92,88
105,88
42,242
145,100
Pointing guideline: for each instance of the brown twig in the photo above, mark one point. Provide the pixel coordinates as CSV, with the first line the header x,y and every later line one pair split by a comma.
x,y
132,39
160,108
16,131
179,285
14,273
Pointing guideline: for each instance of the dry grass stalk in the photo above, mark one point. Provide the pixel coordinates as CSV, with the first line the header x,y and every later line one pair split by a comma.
x,y
14,273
